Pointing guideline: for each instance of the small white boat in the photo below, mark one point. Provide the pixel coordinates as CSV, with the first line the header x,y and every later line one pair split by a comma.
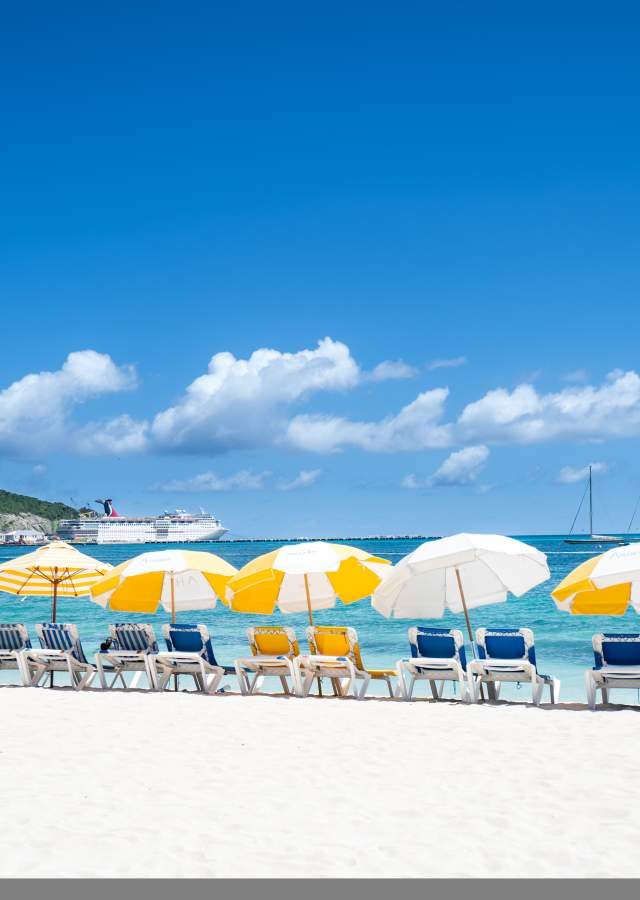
x,y
592,538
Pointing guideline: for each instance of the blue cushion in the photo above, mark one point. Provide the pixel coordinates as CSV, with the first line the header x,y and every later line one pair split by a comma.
x,y
621,653
187,639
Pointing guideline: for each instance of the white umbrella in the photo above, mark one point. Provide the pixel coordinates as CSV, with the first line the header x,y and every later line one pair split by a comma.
x,y
459,573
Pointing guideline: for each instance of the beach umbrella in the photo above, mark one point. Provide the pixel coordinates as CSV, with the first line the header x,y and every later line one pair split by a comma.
x,y
604,585
305,577
177,580
56,569
459,573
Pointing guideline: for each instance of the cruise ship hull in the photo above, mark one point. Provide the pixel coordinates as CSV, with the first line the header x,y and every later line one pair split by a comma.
x,y
137,531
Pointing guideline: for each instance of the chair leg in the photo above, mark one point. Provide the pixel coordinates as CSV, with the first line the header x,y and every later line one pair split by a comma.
x,y
434,689
242,680
285,685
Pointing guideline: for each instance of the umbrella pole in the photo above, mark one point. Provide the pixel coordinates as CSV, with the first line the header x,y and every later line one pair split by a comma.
x,y
466,611
173,622
53,616
469,629
309,610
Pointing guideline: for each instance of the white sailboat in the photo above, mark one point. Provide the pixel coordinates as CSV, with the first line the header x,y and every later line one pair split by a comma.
x,y
593,538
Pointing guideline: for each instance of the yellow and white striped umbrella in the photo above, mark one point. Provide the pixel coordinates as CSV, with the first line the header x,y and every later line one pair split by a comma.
x,y
307,576
176,579
56,569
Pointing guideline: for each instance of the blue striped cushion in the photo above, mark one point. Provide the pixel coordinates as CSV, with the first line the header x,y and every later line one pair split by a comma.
x,y
59,637
134,637
11,638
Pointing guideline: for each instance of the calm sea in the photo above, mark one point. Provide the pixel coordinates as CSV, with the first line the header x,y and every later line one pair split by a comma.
x,y
563,642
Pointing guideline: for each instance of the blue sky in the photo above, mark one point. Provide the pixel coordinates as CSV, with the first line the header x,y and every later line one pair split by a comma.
x,y
347,186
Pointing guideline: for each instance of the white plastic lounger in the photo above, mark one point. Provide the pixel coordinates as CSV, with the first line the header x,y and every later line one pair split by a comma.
x,y
508,654
61,652
274,650
189,652
335,654
437,655
132,648
13,640
617,665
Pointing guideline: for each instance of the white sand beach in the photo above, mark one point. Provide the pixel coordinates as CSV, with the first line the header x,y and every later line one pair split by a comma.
x,y
148,784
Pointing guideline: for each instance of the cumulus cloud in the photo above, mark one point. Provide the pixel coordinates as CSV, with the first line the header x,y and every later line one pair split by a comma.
x,y
414,427
452,363
525,416
461,467
35,411
209,482
120,435
303,479
243,402
391,370
411,482
569,474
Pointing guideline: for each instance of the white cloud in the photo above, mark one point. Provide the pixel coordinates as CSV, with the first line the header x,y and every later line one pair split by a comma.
x,y
414,427
575,413
243,402
569,474
208,482
303,479
120,435
411,482
35,411
576,376
391,370
447,363
461,467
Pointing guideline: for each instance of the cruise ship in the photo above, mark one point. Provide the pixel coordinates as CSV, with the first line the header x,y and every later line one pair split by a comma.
x,y
112,528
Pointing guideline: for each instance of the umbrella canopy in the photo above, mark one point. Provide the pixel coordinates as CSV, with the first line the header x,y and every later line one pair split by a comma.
x,y
307,576
176,579
458,573
603,585
56,569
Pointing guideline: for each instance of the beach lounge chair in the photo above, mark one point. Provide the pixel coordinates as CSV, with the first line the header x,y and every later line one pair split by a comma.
x,y
437,655
132,646
189,652
508,654
335,654
274,649
617,665
13,640
61,652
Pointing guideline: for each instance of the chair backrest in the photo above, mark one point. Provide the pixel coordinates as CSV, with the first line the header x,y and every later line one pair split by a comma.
x,y
616,649
61,636
335,640
189,639
506,643
14,637
266,640
134,636
437,643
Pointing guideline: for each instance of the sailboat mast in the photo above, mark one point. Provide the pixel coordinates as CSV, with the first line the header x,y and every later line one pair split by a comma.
x,y
590,504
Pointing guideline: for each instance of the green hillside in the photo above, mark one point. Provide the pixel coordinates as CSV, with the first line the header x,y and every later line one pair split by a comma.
x,y
20,503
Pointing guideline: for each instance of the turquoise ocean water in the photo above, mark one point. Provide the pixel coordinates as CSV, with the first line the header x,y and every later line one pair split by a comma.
x,y
563,642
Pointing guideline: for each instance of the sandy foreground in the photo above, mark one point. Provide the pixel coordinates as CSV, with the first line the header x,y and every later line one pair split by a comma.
x,y
148,784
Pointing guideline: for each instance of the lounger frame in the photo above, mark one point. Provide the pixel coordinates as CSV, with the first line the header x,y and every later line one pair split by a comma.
x,y
616,674
252,670
436,670
134,645
61,651
492,671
